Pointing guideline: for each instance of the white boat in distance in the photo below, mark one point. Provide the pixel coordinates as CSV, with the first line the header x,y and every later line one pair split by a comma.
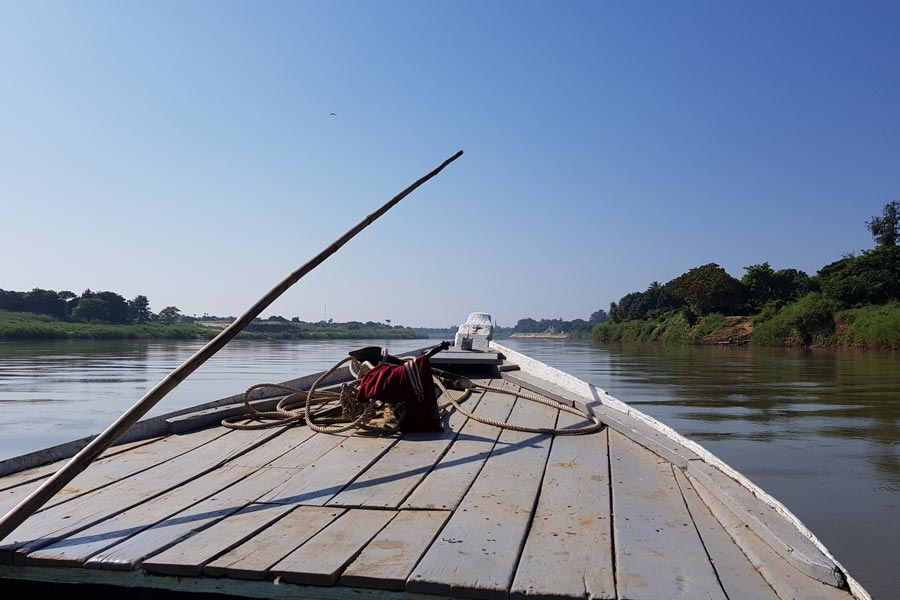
x,y
628,510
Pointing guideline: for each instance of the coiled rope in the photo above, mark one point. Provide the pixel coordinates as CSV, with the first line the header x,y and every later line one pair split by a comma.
x,y
327,411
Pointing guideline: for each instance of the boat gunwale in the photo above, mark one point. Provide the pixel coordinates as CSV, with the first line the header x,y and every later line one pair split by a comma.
x,y
587,396
593,395
160,425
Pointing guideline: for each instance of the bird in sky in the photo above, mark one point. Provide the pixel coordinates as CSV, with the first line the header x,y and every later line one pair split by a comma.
x,y
333,114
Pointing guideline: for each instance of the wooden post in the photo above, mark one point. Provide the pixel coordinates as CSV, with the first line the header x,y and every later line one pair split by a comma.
x,y
98,445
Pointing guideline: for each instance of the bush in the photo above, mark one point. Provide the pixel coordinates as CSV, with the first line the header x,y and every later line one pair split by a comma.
x,y
709,324
809,320
872,278
870,326
669,328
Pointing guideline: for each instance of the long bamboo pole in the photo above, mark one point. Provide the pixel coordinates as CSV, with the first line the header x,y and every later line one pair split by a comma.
x,y
98,445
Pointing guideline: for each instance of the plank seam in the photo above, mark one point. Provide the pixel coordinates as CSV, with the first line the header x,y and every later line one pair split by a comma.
x,y
699,535
340,571
50,505
427,547
22,551
358,475
190,534
715,517
486,458
612,514
47,475
439,458
534,504
480,468
228,548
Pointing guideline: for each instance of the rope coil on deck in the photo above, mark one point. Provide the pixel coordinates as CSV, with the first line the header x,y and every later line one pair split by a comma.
x,y
328,411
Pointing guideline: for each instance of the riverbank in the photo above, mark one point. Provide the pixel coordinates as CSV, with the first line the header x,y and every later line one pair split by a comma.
x,y
29,326
811,322
540,336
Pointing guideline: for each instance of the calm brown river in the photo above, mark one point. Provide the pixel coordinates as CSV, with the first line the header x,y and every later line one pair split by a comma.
x,y
819,430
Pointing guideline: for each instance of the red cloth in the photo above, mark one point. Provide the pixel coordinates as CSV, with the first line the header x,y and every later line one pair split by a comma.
x,y
391,384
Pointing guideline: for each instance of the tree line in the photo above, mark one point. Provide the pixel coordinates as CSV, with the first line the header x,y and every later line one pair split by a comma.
x,y
872,277
575,326
112,308
89,307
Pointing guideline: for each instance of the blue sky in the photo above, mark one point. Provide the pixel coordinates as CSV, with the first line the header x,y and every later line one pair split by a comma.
x,y
186,151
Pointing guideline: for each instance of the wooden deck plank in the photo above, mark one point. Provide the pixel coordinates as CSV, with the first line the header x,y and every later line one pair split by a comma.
x,y
162,514
62,520
388,481
787,581
773,527
446,484
321,481
634,429
129,553
658,551
323,557
162,527
568,553
78,547
113,468
253,558
188,556
738,576
386,562
476,553
44,471
133,551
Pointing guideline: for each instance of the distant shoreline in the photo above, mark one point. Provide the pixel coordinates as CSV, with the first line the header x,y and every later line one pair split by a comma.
x,y
541,336
29,326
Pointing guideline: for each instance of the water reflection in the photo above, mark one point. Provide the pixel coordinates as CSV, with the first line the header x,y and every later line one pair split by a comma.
x,y
56,391
818,429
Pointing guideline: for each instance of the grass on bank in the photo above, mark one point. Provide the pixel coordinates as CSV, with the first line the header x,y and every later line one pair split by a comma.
x,y
671,328
30,326
811,321
869,327
816,321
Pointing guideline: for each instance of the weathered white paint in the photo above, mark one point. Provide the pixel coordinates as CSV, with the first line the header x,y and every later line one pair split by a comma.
x,y
568,551
594,395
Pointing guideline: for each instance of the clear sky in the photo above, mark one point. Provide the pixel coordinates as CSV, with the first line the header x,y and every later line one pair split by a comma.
x,y
186,150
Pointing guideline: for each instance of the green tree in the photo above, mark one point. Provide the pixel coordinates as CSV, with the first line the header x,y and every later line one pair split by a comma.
x,y
633,306
70,299
871,278
116,305
527,325
45,302
708,289
169,315
886,228
763,285
12,301
658,298
578,326
139,309
598,316
90,309
615,316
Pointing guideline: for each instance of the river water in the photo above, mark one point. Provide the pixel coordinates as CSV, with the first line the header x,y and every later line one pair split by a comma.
x,y
817,429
